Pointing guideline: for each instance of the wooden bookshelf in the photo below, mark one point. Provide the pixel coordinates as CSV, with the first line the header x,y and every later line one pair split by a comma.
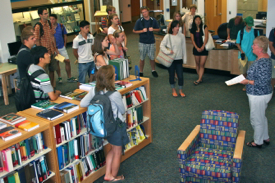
x,y
47,128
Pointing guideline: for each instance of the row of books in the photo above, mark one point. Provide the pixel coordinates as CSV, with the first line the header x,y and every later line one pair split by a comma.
x,y
134,97
68,129
91,85
79,170
15,155
136,136
121,66
77,94
134,116
34,172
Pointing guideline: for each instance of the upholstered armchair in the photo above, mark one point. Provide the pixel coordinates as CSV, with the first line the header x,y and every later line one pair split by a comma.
x,y
212,152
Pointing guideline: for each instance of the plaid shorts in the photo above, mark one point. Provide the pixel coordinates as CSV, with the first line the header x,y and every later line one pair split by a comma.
x,y
148,49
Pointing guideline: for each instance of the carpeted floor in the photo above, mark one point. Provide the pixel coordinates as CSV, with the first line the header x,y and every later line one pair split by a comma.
x,y
174,118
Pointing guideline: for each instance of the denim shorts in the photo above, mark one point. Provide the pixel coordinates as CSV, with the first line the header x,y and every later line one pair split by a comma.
x,y
83,70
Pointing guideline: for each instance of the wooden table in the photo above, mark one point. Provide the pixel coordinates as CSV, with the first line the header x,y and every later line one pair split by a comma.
x,y
6,69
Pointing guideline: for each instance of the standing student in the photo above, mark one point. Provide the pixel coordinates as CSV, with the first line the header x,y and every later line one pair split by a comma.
x,y
246,56
199,51
175,41
100,50
177,17
145,27
24,56
82,49
44,35
105,81
61,42
187,19
119,39
113,26
105,21
43,90
272,49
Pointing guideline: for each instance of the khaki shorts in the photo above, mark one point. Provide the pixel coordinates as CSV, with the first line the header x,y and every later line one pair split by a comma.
x,y
244,67
52,66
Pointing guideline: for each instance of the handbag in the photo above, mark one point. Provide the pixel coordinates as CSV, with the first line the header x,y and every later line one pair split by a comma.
x,y
210,43
164,59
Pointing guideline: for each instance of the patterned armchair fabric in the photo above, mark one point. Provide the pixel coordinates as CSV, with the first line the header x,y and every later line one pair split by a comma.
x,y
207,155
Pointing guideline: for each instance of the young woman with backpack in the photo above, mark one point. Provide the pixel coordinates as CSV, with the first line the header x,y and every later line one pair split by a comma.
x,y
105,81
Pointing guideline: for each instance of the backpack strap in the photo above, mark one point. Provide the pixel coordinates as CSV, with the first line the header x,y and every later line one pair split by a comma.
x,y
241,35
41,27
23,49
256,33
108,93
32,78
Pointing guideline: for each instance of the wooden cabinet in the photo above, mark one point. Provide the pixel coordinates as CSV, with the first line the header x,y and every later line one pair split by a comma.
x,y
46,127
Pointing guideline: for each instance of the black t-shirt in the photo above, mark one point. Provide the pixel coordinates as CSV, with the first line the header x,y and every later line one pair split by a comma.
x,y
198,36
24,60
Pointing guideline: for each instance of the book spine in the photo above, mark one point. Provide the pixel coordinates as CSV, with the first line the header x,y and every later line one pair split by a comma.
x,y
76,155
58,134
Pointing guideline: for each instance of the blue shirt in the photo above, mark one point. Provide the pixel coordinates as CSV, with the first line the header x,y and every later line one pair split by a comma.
x,y
58,36
272,39
247,42
260,72
146,37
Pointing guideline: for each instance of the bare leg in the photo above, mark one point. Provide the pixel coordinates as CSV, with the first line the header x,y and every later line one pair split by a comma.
x,y
68,68
51,75
197,60
141,65
152,62
113,162
58,69
202,64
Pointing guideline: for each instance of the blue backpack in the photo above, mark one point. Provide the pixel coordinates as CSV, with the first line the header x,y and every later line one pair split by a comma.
x,y
100,118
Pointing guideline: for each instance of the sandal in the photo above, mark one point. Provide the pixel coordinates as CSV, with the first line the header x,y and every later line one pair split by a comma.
x,y
266,142
175,94
182,94
250,144
117,179
196,83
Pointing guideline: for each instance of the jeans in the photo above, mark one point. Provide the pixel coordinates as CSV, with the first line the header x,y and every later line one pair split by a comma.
x,y
176,67
83,70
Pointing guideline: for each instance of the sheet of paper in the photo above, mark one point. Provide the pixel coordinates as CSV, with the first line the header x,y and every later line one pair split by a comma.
x,y
34,15
60,58
17,17
77,17
224,44
27,16
235,80
103,8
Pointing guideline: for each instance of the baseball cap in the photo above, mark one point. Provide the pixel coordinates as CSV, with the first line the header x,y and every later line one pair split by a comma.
x,y
249,21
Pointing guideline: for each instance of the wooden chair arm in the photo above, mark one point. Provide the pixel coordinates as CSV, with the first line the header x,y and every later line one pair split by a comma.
x,y
239,145
189,139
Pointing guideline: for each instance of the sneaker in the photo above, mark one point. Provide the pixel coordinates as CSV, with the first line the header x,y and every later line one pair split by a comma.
x,y
60,80
141,74
72,80
155,74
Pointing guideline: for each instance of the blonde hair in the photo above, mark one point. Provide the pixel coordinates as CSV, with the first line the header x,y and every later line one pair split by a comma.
x,y
180,21
27,32
193,6
116,33
262,42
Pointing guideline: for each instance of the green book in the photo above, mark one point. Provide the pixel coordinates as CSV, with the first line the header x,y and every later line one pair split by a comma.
x,y
45,104
117,63
11,179
34,144
93,161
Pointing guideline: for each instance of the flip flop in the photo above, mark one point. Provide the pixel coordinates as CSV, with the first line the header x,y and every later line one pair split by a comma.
x,y
196,83
249,144
114,180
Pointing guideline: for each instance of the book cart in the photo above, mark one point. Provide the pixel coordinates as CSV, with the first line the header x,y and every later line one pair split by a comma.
x,y
47,126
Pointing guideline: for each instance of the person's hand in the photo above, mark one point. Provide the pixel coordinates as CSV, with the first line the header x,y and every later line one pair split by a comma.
x,y
171,52
244,82
125,48
144,29
57,52
58,92
151,29
198,49
112,40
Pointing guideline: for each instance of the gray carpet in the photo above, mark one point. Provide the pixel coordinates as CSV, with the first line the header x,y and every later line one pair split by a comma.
x,y
174,118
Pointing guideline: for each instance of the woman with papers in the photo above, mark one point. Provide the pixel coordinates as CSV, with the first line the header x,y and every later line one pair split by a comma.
x,y
259,91
105,81
174,43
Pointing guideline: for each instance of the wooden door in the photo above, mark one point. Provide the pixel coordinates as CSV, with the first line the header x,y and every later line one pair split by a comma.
x,y
215,13
135,9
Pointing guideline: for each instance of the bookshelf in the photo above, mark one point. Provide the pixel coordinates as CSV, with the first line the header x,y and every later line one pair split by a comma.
x,y
46,126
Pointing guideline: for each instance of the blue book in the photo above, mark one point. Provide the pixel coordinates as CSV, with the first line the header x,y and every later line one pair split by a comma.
x,y
66,107
60,157
28,148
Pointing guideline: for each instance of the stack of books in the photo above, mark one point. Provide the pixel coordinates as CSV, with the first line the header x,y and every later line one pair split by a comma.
x,y
91,86
121,66
35,171
12,118
136,136
134,116
75,95
20,152
135,97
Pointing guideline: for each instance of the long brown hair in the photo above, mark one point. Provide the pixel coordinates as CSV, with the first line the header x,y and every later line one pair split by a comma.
x,y
180,21
110,18
97,48
104,78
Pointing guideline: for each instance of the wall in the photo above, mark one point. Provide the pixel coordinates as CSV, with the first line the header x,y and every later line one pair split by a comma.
x,y
200,5
270,17
231,9
7,32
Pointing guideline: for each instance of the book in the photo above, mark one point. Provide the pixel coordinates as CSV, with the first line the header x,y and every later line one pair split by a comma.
x,y
2,125
59,58
124,84
50,114
9,133
7,160
66,107
235,80
27,125
12,118
42,105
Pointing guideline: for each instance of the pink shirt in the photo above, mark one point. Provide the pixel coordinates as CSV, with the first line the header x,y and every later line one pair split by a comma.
x,y
121,54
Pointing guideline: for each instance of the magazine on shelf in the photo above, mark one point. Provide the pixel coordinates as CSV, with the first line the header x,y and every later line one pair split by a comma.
x,y
27,125
50,114
12,118
45,104
9,133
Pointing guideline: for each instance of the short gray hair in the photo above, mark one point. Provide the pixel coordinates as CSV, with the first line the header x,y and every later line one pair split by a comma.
x,y
262,42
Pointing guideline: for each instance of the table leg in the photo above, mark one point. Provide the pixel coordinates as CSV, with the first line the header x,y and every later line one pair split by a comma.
x,y
5,90
8,84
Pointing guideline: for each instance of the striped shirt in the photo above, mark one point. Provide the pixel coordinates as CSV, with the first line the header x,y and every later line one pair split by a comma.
x,y
42,83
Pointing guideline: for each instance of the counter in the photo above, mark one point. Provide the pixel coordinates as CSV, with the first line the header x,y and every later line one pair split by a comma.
x,y
221,58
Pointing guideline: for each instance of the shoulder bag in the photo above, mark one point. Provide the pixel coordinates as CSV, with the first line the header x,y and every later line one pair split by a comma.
x,y
164,59
210,43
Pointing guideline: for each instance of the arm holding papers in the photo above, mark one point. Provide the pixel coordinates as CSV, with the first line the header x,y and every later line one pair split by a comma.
x,y
239,79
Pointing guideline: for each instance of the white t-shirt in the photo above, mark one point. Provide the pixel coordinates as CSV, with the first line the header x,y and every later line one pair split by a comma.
x,y
84,47
111,30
